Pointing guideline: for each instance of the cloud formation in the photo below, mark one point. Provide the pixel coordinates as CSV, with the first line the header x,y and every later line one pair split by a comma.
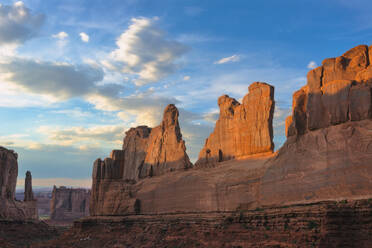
x,y
84,37
57,80
312,65
231,59
18,24
144,51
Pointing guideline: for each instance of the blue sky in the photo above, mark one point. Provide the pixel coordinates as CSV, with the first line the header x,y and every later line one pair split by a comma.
x,y
75,75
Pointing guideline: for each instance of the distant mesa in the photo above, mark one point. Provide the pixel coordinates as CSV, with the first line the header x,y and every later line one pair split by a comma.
x,y
68,204
242,130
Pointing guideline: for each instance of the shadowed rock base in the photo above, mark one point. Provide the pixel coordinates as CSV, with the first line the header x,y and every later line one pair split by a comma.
x,y
324,224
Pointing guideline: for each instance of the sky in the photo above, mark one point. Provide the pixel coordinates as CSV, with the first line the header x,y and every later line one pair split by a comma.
x,y
75,75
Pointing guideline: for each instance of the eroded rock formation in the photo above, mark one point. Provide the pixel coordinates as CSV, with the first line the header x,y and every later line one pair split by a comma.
x,y
69,204
242,129
9,207
327,154
29,195
147,152
336,92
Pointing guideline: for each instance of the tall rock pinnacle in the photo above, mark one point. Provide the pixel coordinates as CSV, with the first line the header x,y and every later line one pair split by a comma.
x,y
29,195
242,129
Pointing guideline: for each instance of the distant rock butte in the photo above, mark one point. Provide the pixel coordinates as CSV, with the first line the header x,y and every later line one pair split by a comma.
x,y
69,204
242,129
336,92
9,207
147,152
327,154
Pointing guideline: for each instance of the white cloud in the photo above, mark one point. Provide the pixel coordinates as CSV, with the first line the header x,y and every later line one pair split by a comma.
x,y
61,35
312,65
144,50
59,81
186,78
81,137
231,59
18,23
84,37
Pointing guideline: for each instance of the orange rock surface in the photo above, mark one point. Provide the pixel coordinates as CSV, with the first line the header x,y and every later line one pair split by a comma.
x,y
242,129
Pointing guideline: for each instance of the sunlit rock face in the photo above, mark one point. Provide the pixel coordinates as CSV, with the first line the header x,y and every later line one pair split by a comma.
x,y
336,92
242,129
9,207
328,153
69,204
147,152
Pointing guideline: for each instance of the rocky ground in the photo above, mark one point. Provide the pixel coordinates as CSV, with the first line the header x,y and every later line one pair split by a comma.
x,y
323,224
24,233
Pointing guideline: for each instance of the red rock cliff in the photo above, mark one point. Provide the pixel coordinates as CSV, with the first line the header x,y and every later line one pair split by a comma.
x,y
336,92
242,129
147,152
9,208
69,203
328,153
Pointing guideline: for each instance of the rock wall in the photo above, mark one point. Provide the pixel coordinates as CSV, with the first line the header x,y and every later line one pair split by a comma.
x,y
9,207
323,224
336,92
242,129
147,152
69,203
327,154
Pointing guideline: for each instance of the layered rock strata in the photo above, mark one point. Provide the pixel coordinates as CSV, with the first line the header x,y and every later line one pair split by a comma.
x,y
328,153
317,162
336,92
242,129
323,224
9,207
69,204
147,152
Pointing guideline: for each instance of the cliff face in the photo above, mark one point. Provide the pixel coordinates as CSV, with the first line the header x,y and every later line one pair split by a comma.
x,y
323,224
69,204
328,152
336,92
147,152
242,129
9,207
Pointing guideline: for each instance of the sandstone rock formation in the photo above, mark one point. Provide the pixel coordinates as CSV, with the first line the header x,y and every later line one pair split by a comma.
x,y
327,154
29,195
147,152
336,92
242,129
69,204
9,207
